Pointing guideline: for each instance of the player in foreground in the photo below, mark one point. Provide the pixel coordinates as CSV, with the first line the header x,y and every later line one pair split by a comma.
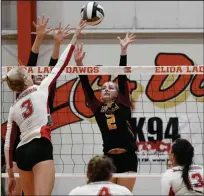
x,y
99,174
113,116
59,35
183,178
30,112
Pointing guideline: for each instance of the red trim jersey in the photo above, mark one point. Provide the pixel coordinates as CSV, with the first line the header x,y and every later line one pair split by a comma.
x,y
30,109
100,189
172,182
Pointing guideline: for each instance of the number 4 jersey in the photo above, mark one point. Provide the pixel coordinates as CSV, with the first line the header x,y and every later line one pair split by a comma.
x,y
100,189
172,182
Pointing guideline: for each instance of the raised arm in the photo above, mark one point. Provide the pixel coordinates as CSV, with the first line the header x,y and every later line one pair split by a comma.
x,y
41,31
91,99
63,60
122,79
59,35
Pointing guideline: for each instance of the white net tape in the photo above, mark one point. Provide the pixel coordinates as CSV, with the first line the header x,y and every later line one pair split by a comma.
x,y
103,70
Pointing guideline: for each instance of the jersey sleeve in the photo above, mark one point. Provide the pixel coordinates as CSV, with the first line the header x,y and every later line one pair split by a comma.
x,y
63,61
90,97
127,191
76,191
53,62
11,134
166,188
123,84
33,58
51,97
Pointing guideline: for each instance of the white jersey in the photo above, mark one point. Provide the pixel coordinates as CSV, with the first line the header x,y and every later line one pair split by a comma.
x,y
100,189
30,110
172,181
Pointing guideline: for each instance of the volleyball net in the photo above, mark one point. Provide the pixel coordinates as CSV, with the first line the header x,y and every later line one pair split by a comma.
x,y
168,104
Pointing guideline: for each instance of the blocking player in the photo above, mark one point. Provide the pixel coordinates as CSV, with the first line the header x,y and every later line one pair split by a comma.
x,y
113,116
99,174
34,153
183,178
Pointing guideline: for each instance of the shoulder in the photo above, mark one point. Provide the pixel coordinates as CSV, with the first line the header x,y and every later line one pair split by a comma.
x,y
167,175
123,189
76,191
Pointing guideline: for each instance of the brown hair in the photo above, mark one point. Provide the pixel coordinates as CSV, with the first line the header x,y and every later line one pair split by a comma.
x,y
16,85
100,168
15,80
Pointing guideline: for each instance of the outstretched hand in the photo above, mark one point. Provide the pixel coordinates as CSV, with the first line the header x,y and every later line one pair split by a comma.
x,y
82,24
41,26
60,34
79,54
129,38
78,33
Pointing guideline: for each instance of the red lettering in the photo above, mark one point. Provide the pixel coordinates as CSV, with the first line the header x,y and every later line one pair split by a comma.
x,y
154,89
104,192
157,145
197,86
64,114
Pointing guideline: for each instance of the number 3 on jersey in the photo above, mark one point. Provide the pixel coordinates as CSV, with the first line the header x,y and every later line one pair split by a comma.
x,y
111,121
104,192
27,106
198,178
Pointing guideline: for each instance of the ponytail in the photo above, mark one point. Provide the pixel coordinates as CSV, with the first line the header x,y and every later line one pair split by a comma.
x,y
186,168
184,153
185,177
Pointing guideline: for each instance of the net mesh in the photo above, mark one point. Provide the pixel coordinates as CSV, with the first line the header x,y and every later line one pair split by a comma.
x,y
166,107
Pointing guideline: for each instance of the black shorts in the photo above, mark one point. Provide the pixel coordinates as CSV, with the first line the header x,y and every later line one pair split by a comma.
x,y
124,162
37,150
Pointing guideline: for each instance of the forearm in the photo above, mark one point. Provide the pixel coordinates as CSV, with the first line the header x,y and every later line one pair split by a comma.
x,y
56,50
74,40
123,52
36,44
10,173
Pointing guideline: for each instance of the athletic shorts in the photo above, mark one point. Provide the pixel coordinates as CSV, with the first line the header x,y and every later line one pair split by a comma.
x,y
36,151
124,162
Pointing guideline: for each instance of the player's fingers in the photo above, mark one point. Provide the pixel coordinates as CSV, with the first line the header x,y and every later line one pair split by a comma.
x,y
34,24
83,23
67,27
43,19
119,38
47,20
48,30
67,30
83,26
81,47
132,34
127,35
60,25
133,37
83,55
77,46
38,20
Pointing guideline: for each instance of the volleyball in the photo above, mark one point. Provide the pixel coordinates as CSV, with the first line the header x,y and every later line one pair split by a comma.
x,y
93,13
